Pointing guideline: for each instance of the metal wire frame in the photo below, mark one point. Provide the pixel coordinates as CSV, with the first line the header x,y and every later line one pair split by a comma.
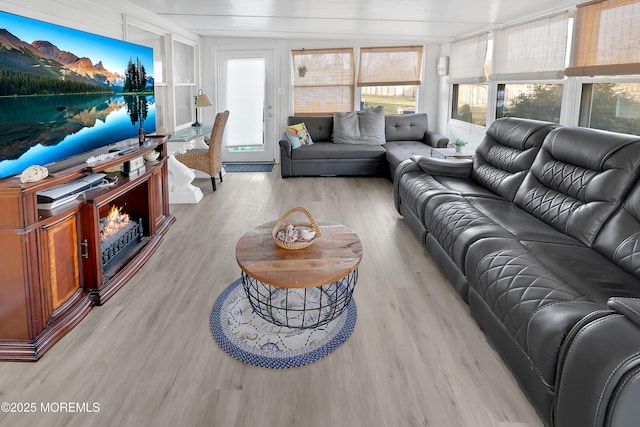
x,y
300,307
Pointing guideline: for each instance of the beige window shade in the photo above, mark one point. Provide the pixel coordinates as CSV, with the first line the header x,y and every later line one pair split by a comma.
x,y
536,50
606,39
327,86
467,61
390,66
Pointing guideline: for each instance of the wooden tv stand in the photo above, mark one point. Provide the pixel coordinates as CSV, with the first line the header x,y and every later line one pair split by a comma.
x,y
51,271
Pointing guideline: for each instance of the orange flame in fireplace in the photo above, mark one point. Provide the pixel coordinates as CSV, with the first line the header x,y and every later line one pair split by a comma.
x,y
116,220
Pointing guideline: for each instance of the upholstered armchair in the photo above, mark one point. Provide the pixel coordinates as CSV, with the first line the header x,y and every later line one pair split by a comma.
x,y
209,160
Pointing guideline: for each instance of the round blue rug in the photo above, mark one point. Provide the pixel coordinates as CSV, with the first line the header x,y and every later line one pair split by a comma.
x,y
243,334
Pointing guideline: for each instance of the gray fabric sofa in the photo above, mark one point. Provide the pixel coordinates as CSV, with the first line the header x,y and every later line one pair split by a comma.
x,y
540,233
406,135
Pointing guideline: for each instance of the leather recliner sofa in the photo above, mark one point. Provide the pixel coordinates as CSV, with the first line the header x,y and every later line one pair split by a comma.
x,y
540,234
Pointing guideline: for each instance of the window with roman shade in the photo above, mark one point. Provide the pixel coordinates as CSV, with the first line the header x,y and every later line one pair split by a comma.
x,y
467,62
535,50
606,39
323,81
390,76
389,66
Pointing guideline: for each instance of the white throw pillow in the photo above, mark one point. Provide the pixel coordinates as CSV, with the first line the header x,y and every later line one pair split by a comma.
x,y
359,127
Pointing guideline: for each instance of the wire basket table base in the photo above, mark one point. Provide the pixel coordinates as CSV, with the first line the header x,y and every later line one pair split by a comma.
x,y
300,307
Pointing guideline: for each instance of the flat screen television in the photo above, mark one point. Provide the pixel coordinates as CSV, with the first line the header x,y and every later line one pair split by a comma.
x,y
65,92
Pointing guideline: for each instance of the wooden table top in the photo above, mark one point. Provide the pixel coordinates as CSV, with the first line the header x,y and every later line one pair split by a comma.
x,y
335,254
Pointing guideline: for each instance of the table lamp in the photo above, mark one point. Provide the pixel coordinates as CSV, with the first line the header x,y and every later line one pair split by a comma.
x,y
201,100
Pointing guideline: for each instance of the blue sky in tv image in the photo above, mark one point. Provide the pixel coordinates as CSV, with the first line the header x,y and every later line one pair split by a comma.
x,y
113,53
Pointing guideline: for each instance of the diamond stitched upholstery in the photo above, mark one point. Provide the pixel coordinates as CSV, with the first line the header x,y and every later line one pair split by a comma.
x,y
490,176
550,206
413,188
577,190
503,157
627,255
514,284
506,152
543,257
619,239
561,192
585,278
450,219
456,224
568,179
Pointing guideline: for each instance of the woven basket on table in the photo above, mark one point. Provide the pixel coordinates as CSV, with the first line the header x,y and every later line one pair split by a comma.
x,y
282,223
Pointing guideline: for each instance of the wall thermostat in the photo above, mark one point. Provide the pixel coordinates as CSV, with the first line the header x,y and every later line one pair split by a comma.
x,y
442,66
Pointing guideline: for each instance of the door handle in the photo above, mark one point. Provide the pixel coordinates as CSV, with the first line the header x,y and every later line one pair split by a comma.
x,y
85,249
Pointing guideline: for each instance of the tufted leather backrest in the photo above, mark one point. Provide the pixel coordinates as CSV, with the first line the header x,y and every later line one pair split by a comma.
x,y
405,127
579,178
506,152
619,239
320,127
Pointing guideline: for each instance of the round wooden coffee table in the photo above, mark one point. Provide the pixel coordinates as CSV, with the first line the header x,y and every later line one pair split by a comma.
x,y
303,288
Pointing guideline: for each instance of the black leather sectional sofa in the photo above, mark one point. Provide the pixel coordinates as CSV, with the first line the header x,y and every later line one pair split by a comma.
x,y
540,234
406,135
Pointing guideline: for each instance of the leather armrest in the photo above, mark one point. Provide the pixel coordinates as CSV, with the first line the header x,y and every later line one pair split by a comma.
x,y
404,167
449,167
630,307
435,139
597,380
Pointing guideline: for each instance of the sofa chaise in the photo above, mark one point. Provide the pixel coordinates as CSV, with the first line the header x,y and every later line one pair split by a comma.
x,y
540,234
406,135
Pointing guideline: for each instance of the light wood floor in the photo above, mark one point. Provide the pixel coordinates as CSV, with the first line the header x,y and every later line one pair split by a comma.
x,y
147,357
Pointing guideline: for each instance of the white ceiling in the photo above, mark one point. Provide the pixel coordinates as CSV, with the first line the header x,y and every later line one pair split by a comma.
x,y
423,21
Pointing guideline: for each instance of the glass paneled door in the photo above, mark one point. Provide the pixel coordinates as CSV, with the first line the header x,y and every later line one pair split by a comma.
x,y
246,90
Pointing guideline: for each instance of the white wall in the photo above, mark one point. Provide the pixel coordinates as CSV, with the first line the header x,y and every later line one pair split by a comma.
x,y
98,17
85,16
430,95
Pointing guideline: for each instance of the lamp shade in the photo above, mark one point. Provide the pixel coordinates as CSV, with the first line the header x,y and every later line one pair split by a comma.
x,y
202,100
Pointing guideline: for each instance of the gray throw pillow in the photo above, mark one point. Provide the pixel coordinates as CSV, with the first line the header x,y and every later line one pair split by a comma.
x,y
359,127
